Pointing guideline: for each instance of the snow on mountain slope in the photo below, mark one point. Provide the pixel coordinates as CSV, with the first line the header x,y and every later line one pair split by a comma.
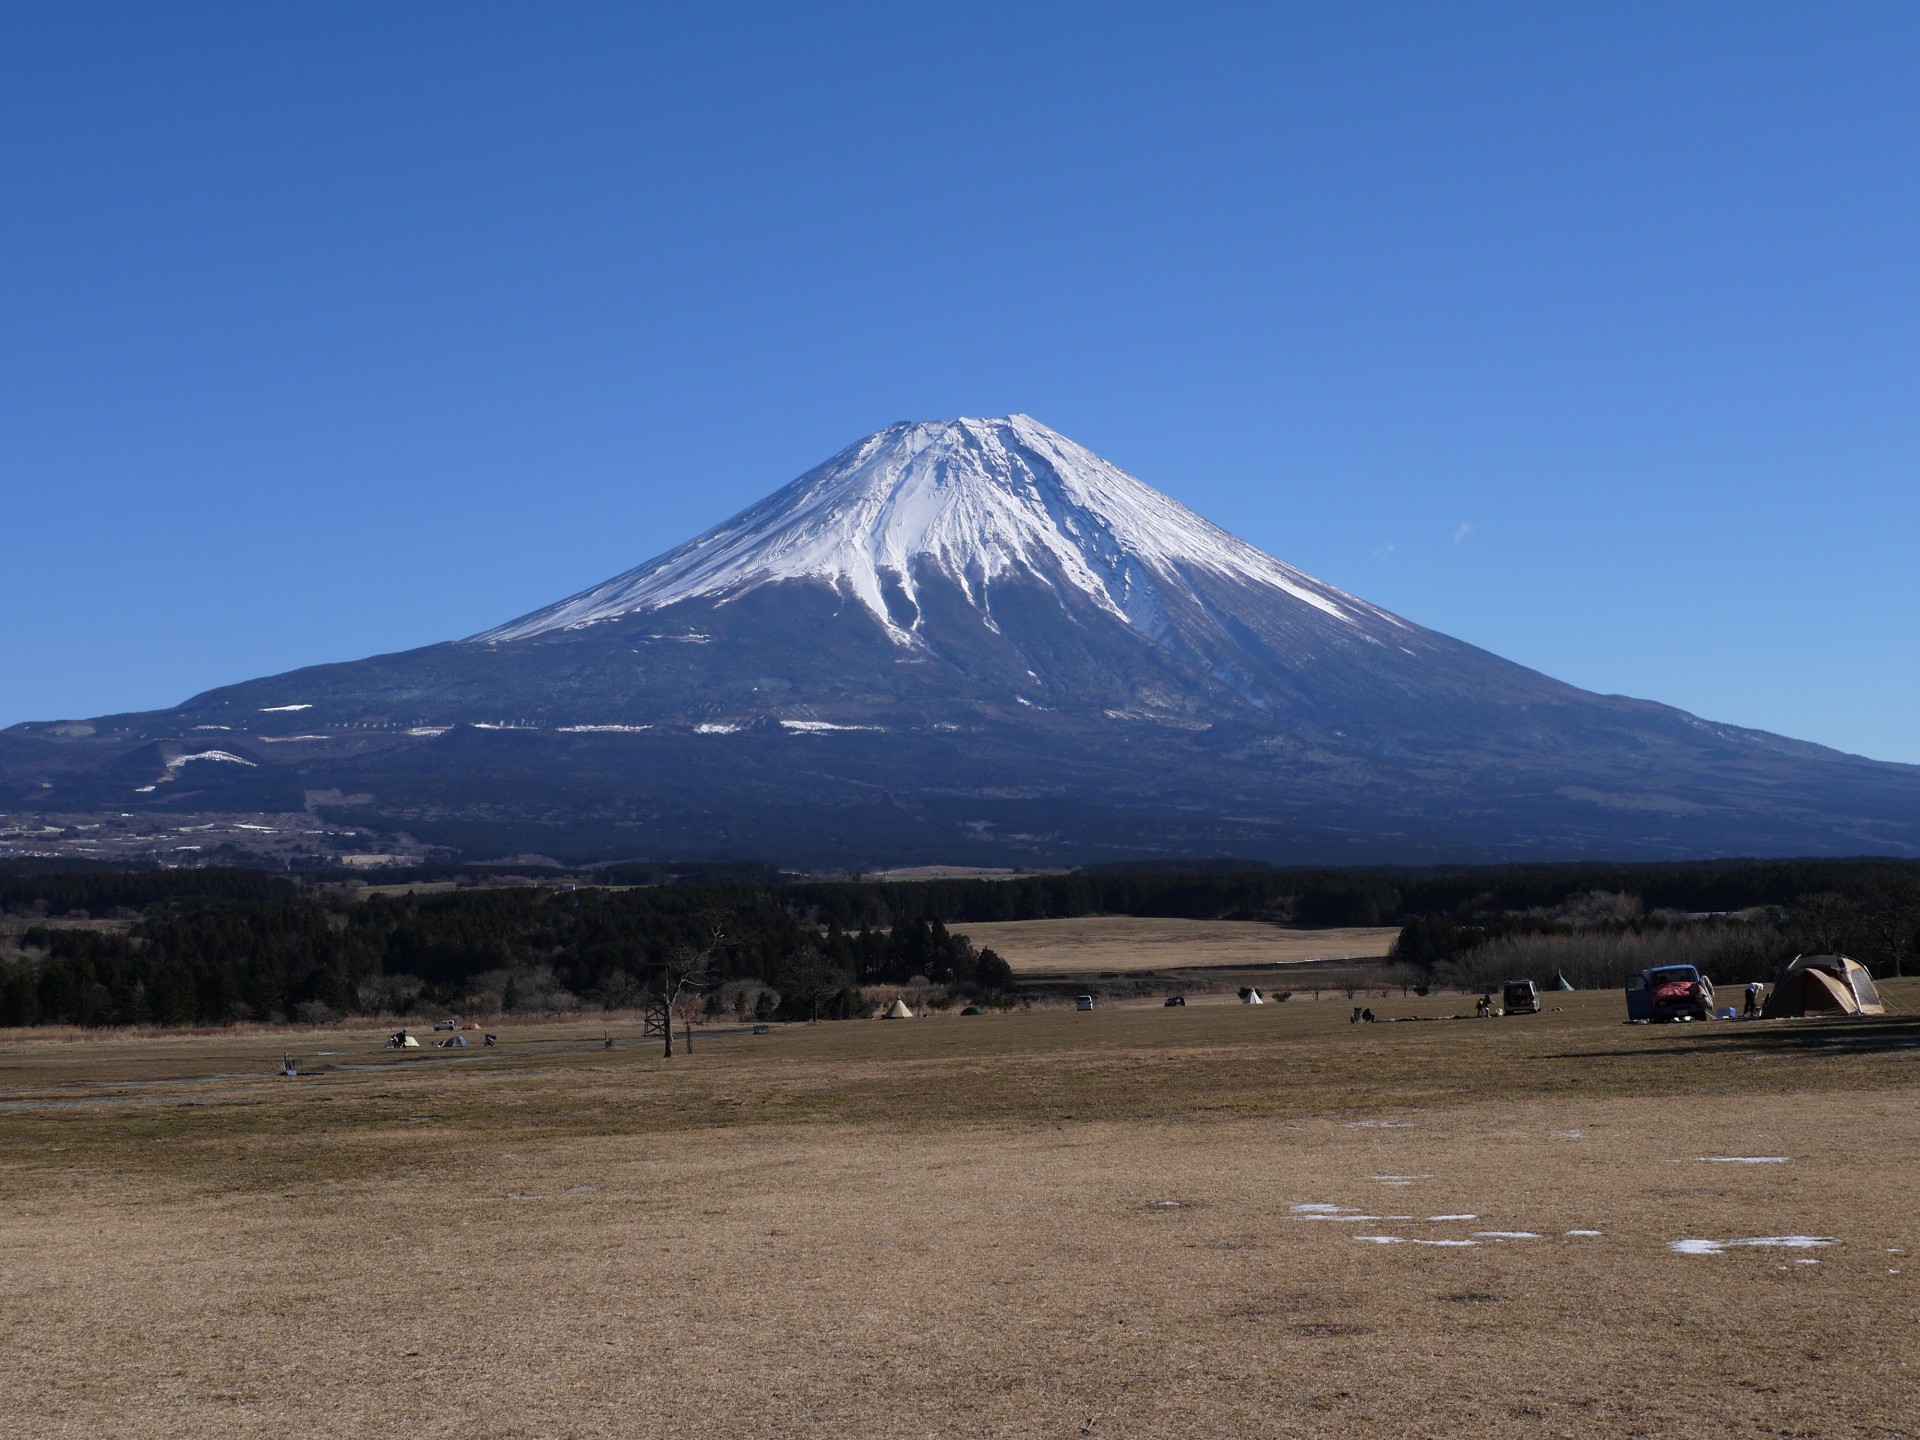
x,y
976,500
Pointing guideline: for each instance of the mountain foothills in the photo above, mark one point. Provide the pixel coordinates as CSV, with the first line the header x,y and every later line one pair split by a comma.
x,y
959,642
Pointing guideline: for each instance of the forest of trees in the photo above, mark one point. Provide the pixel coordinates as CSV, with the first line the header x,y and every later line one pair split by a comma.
x,y
93,946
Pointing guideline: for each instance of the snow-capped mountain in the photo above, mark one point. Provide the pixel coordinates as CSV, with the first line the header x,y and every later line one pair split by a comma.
x,y
973,501
972,641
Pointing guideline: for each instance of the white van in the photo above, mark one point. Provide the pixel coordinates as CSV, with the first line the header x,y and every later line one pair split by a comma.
x,y
1083,1002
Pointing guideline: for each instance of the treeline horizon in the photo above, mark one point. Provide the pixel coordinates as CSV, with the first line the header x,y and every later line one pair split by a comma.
x,y
211,946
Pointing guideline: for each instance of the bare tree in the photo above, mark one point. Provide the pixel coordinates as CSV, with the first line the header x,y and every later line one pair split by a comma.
x,y
689,969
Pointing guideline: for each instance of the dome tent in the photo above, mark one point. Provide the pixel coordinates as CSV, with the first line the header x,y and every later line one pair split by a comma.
x,y
1822,985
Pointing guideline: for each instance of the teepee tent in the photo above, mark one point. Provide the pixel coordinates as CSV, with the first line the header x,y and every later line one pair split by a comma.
x,y
1823,985
1250,996
1560,982
897,1011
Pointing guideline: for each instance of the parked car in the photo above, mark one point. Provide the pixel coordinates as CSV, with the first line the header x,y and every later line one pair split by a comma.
x,y
447,1025
1173,1000
1083,1002
1669,992
1520,997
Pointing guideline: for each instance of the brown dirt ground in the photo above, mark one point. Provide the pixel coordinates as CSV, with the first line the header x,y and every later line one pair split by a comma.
x,y
1124,943
958,1227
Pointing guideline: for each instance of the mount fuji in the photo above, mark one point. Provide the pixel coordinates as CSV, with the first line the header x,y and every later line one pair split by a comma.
x,y
969,641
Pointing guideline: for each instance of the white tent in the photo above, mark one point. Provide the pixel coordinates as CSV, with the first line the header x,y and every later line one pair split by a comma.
x,y
1252,997
407,1042
897,1011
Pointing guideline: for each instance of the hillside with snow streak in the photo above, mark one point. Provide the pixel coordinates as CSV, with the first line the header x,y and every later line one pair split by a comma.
x,y
973,501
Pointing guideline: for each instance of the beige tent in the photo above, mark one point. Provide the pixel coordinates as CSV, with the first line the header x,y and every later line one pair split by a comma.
x,y
1823,985
897,1011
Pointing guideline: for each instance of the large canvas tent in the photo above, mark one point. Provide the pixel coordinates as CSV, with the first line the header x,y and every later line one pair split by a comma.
x,y
897,1011
1822,985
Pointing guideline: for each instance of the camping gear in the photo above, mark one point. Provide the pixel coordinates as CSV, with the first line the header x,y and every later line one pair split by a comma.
x,y
1822,985
1251,996
897,1011
1669,992
1560,982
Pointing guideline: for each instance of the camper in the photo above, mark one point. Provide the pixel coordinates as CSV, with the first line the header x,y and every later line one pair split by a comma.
x,y
1822,985
1669,992
1520,997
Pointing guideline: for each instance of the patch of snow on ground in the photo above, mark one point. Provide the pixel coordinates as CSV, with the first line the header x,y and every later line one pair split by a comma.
x,y
815,727
283,709
284,739
213,727
602,729
712,727
1437,1218
429,730
1584,1233
231,759
1743,1159
1720,1247
1505,1235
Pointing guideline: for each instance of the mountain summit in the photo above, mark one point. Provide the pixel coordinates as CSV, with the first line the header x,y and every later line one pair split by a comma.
x,y
966,641
973,501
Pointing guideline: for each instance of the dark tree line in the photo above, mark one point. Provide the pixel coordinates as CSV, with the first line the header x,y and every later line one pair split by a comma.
x,y
211,946
223,954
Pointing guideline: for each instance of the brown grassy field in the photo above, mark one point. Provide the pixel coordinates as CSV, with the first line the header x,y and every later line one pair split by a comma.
x,y
1124,944
1037,1224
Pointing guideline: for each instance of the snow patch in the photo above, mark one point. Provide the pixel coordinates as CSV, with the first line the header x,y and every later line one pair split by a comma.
x,y
1720,1247
284,739
284,709
714,727
1743,1159
179,760
603,729
816,727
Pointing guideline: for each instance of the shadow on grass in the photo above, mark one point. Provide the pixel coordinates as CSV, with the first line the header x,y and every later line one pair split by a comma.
x,y
1861,1035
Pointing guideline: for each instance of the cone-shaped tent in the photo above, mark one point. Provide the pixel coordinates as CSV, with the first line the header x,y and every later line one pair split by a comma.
x,y
1560,982
1252,997
1823,985
897,1011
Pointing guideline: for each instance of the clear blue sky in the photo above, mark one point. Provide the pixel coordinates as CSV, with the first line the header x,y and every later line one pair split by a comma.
x,y
1587,333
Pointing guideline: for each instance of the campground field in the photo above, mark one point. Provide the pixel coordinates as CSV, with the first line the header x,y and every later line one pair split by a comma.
x,y
1140,1222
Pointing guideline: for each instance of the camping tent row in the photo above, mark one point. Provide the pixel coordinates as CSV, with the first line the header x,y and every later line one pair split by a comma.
x,y
1823,985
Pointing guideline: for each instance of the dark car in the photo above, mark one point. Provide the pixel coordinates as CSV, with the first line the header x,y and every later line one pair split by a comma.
x,y
1173,1000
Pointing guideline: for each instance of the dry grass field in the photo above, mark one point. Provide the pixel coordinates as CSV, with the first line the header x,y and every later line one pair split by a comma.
x,y
1121,944
1139,1222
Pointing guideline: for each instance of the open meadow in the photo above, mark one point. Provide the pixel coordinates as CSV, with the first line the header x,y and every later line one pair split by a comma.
x,y
1123,944
1140,1222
